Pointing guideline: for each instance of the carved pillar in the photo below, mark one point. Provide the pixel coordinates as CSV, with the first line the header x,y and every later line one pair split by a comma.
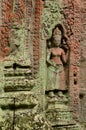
x,y
83,62
37,35
72,23
0,13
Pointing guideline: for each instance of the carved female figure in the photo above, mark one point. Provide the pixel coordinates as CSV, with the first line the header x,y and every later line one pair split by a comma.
x,y
57,56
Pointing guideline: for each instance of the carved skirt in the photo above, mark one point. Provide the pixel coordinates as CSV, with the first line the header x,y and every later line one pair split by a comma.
x,y
55,78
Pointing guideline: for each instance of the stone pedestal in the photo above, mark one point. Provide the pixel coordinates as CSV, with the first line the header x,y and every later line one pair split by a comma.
x,y
60,112
60,116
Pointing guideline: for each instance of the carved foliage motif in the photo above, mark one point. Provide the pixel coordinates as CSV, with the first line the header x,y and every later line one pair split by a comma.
x,y
14,35
51,15
11,14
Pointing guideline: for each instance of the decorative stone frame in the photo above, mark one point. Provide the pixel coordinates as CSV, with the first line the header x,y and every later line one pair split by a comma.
x,y
72,23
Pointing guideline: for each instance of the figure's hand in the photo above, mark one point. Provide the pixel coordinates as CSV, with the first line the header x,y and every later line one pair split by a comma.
x,y
66,45
52,63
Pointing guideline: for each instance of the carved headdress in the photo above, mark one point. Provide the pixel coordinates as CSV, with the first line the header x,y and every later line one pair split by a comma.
x,y
63,36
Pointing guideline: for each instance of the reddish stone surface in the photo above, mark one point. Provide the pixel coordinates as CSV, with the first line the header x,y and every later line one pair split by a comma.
x,y
72,24
15,12
10,15
37,34
83,63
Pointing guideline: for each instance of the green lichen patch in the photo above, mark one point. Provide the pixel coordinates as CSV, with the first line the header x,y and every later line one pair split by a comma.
x,y
51,15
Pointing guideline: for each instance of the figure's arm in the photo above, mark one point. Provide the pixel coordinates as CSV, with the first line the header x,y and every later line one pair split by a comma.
x,y
48,56
49,61
65,56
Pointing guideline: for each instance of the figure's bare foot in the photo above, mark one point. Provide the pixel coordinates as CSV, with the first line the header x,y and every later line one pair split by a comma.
x,y
51,94
53,99
60,94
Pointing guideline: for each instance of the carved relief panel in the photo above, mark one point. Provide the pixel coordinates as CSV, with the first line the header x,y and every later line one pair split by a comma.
x,y
16,31
16,64
28,34
16,46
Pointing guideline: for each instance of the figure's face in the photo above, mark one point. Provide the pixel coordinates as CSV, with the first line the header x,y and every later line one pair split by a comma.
x,y
57,36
